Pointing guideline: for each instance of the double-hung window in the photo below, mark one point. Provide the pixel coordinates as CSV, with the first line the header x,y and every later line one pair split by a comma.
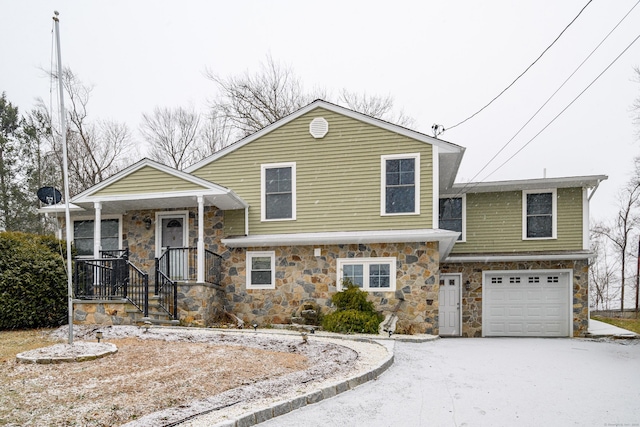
x,y
400,189
451,215
539,214
369,274
83,235
278,188
261,270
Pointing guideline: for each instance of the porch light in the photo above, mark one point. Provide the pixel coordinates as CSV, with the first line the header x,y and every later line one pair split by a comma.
x,y
147,222
390,333
99,336
467,285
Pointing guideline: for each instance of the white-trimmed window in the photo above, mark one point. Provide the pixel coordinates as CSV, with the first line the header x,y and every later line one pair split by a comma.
x,y
278,191
400,184
83,235
539,214
369,274
261,270
452,213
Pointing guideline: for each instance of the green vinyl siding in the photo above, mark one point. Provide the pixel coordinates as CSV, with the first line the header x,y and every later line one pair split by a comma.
x,y
234,223
147,180
338,176
494,224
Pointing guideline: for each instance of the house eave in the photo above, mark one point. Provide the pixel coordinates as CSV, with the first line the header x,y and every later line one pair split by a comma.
x,y
445,238
487,258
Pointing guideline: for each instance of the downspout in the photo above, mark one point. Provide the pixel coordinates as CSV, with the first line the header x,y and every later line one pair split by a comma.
x,y
246,221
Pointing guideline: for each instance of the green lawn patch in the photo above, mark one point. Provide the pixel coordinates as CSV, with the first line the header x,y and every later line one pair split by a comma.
x,y
628,324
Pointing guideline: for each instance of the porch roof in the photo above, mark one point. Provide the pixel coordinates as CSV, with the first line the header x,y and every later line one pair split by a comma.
x,y
166,200
445,238
150,185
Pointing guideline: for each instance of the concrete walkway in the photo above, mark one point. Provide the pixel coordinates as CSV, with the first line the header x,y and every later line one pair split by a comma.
x,y
602,329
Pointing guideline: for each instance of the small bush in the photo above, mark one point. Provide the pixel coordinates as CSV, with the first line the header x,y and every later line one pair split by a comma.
x,y
354,313
33,281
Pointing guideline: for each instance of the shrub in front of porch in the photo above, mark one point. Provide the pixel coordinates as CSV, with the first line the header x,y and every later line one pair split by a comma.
x,y
354,313
33,281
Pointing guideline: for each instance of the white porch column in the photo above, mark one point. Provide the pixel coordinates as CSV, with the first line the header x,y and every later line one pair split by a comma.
x,y
97,229
200,239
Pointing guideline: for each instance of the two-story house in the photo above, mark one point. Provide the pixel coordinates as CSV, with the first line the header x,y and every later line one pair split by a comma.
x,y
281,217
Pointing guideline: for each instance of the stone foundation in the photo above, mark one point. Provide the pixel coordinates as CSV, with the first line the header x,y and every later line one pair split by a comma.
x,y
200,304
301,276
97,312
472,298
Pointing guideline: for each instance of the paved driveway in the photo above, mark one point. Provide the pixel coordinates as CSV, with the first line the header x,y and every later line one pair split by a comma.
x,y
492,382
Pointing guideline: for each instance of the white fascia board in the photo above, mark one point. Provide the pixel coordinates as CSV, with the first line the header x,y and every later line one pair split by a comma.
x,y
520,258
59,208
590,181
445,147
445,238
234,198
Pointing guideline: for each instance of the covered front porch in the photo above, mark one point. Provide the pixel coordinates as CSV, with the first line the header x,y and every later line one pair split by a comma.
x,y
154,246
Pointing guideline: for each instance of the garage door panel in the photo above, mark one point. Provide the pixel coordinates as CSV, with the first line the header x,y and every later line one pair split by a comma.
x,y
527,304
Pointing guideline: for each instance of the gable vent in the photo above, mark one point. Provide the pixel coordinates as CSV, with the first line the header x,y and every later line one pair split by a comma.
x,y
318,127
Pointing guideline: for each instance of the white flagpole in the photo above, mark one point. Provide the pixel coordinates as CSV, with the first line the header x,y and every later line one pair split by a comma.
x,y
65,170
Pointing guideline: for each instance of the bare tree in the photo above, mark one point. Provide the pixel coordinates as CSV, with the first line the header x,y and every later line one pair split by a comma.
x,y
173,135
215,134
96,150
377,106
602,273
252,101
620,232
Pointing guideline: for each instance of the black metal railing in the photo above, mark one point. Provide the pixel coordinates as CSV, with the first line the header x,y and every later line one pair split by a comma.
x,y
212,267
181,264
115,253
103,278
138,289
111,277
167,289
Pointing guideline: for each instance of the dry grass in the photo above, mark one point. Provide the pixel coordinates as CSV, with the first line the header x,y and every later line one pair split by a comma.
x,y
143,377
628,324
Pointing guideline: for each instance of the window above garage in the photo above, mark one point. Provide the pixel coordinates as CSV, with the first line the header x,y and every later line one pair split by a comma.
x,y
539,214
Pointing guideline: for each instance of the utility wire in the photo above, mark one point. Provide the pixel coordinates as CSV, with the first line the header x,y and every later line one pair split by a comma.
x,y
549,99
565,108
523,73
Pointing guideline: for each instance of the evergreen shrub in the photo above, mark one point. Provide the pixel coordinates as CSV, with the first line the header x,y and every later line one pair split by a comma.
x,y
354,313
33,281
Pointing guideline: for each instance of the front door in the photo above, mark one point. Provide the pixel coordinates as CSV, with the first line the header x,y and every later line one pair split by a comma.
x,y
449,305
172,236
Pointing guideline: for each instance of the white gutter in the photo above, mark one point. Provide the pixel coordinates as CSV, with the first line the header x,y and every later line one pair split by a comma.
x,y
445,238
518,258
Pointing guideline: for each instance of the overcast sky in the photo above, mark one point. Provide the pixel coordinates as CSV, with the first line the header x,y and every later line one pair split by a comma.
x,y
440,60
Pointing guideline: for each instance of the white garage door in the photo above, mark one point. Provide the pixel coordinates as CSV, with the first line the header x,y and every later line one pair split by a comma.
x,y
526,304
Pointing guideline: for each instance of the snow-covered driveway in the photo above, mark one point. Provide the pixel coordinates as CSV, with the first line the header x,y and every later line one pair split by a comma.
x,y
492,382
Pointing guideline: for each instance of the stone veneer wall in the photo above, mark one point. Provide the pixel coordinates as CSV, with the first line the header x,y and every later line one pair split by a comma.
x,y
472,299
301,276
200,304
92,312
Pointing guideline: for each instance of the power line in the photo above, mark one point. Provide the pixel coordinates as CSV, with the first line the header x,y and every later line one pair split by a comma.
x,y
565,108
527,69
552,95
